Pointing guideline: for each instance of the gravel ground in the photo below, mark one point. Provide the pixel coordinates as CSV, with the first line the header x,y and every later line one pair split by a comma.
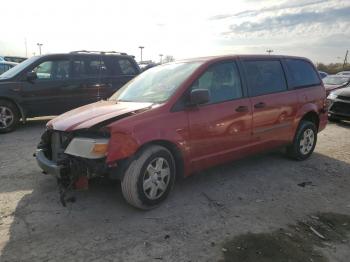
x,y
259,194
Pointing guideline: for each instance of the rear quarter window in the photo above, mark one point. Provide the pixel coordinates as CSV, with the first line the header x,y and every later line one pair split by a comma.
x,y
301,73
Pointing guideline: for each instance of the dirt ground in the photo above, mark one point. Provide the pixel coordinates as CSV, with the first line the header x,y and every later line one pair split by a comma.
x,y
248,200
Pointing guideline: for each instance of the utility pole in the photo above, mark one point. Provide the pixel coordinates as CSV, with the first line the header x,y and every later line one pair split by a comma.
x,y
39,45
26,47
269,51
141,47
161,58
345,59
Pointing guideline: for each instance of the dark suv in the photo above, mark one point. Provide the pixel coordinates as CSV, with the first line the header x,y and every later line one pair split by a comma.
x,y
55,83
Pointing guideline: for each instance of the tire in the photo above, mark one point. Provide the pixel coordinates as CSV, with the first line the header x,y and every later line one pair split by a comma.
x,y
304,141
149,177
9,116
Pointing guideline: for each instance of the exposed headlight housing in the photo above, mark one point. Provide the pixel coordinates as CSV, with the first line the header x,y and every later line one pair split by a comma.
x,y
332,96
91,148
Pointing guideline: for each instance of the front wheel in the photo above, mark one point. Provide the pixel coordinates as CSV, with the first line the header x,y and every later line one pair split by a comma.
x,y
149,178
304,141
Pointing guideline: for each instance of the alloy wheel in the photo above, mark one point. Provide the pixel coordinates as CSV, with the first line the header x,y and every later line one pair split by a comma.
x,y
6,117
156,178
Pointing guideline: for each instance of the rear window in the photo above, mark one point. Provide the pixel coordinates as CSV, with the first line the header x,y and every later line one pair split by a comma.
x,y
302,73
265,77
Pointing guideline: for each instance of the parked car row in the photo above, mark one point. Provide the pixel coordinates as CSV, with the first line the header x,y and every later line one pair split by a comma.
x,y
4,66
179,118
14,59
55,83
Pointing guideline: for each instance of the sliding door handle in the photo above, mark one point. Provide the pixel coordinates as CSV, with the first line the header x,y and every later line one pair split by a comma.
x,y
260,105
242,109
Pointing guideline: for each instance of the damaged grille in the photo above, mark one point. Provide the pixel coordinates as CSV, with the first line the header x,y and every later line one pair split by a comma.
x,y
58,143
341,108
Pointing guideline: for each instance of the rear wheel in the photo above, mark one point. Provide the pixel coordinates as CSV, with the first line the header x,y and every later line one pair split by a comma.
x,y
149,178
9,116
304,141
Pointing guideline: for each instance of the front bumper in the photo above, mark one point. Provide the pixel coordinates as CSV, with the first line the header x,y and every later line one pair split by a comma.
x,y
339,108
46,164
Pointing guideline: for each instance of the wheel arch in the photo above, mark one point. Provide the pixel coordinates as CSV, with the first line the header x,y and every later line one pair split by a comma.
x,y
313,117
174,150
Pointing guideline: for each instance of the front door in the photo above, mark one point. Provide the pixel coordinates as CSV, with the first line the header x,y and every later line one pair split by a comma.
x,y
221,129
47,95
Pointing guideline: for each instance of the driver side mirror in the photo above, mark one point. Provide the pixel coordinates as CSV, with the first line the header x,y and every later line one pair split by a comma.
x,y
31,76
199,96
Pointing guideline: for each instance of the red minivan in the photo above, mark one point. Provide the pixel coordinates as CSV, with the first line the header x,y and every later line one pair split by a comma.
x,y
179,118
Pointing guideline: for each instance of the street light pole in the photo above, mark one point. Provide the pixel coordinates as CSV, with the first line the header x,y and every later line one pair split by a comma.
x,y
141,47
269,51
161,58
39,45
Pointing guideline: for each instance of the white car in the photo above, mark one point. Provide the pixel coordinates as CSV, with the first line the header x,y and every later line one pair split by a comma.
x,y
346,73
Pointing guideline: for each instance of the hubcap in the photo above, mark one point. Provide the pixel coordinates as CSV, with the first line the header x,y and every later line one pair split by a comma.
x,y
307,141
6,117
156,178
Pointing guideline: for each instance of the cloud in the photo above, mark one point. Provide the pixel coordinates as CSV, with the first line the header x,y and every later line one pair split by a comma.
x,y
253,12
291,21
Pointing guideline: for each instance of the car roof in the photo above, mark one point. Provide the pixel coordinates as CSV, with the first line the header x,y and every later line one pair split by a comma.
x,y
224,57
87,54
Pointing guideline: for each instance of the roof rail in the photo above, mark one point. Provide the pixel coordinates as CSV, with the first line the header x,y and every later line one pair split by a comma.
x,y
97,52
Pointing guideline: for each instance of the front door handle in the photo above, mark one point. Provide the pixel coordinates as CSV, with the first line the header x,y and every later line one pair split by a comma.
x,y
260,105
242,109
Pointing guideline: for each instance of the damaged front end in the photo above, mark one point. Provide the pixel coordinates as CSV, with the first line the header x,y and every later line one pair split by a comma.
x,y
73,157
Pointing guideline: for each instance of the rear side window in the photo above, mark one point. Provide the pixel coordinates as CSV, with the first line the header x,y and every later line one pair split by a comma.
x,y
301,73
88,67
265,77
119,66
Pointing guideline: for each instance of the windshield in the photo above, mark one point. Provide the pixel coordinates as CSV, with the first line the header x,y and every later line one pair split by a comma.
x,y
329,80
157,84
18,68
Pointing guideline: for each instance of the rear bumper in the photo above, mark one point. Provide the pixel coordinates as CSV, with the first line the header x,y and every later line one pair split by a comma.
x,y
46,164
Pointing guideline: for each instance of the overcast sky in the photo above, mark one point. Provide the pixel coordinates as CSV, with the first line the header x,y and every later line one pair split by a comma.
x,y
318,29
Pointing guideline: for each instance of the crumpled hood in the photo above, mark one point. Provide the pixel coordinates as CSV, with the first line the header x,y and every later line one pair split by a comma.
x,y
93,114
342,92
333,87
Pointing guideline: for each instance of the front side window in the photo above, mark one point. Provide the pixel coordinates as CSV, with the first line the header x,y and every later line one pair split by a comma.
x,y
302,73
157,84
222,81
264,77
53,70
